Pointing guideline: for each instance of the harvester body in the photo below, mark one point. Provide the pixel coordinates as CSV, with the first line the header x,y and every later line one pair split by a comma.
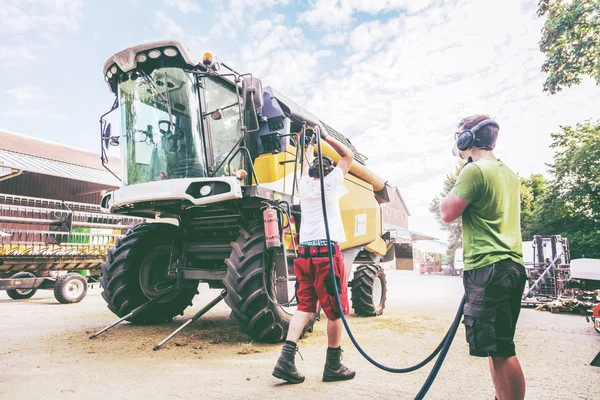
x,y
205,150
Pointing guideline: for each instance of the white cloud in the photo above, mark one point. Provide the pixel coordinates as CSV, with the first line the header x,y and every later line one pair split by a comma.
x,y
28,27
408,79
26,93
166,25
334,39
35,114
185,6
282,57
20,16
13,55
336,13
167,28
239,13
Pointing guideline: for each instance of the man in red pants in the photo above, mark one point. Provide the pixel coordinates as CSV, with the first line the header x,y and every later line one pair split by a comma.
x,y
312,268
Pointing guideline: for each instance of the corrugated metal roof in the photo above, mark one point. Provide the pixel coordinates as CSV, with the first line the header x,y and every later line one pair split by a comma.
x,y
41,148
361,158
56,168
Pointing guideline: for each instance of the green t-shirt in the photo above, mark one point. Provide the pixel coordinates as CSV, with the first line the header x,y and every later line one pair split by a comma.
x,y
492,220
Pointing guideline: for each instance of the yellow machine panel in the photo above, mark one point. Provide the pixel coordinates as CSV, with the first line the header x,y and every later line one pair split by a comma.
x,y
275,171
361,213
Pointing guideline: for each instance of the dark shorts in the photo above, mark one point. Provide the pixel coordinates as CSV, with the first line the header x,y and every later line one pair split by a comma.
x,y
316,286
492,307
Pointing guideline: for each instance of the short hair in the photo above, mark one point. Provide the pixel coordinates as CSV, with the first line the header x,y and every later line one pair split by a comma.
x,y
487,135
316,172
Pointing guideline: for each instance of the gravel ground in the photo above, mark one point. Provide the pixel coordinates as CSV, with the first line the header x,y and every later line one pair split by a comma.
x,y
45,352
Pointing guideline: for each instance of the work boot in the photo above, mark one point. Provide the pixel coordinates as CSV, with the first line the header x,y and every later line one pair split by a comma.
x,y
334,369
286,368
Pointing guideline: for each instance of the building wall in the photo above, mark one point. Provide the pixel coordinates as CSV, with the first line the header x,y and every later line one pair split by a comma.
x,y
50,187
394,216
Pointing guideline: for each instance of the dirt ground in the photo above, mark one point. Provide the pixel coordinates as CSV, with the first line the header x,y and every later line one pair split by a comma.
x,y
45,352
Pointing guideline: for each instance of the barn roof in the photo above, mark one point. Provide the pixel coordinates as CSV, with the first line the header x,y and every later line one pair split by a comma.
x,y
40,156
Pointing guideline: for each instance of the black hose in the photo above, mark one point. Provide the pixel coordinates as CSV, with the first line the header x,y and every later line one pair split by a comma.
x,y
446,346
442,348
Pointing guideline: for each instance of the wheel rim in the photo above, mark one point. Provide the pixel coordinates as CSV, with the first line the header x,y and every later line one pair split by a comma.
x,y
377,292
24,292
154,275
287,306
74,288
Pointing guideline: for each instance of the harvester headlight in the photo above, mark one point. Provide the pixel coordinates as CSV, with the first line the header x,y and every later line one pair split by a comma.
x,y
170,52
207,59
109,74
205,190
141,58
113,69
154,54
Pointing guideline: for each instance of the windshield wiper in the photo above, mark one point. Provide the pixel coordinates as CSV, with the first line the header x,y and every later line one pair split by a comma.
x,y
220,109
166,99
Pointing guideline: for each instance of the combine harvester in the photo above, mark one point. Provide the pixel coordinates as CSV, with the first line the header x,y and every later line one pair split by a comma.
x,y
218,156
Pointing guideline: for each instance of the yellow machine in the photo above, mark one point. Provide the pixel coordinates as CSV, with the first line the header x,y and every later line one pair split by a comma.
x,y
205,150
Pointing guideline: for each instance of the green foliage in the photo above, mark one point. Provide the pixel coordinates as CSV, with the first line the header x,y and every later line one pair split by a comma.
x,y
570,203
570,41
567,205
533,191
453,229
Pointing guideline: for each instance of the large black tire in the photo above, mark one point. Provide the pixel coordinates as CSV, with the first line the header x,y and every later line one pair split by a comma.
x,y
121,281
70,288
250,293
366,301
21,294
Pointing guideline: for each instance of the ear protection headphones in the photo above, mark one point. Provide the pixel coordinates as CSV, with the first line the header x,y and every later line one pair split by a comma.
x,y
468,138
327,166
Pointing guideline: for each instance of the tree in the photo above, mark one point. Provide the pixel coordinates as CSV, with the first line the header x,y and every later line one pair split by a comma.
x,y
570,41
453,229
570,205
526,209
533,191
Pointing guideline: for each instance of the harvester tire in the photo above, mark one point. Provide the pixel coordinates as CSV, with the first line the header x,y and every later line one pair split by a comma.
x,y
369,290
250,295
21,294
121,277
70,288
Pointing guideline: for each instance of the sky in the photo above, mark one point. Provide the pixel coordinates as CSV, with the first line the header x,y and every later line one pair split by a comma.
x,y
394,76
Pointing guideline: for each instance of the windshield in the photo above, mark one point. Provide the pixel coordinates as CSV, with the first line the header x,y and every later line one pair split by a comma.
x,y
161,129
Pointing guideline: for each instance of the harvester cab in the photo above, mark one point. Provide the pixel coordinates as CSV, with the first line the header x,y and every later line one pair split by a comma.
x,y
205,152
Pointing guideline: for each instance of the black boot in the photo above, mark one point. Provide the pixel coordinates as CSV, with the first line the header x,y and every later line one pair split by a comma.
x,y
334,369
286,368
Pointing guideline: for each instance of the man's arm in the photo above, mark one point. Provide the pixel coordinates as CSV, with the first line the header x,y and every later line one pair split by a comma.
x,y
452,207
344,152
309,156
468,188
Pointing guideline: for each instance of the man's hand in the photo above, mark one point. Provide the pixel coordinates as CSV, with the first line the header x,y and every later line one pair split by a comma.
x,y
323,133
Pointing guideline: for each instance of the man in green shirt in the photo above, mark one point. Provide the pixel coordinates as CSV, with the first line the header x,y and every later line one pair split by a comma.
x,y
486,195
